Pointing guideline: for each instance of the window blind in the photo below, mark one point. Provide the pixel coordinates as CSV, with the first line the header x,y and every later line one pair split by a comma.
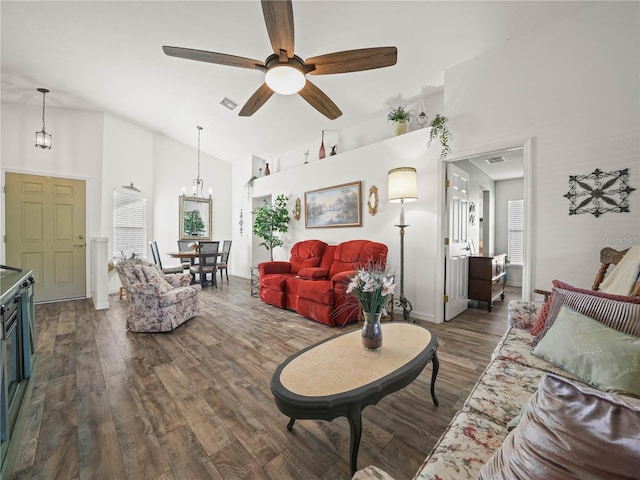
x,y
515,246
129,225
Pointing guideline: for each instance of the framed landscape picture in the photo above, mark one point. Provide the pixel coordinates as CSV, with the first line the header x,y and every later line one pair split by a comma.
x,y
337,206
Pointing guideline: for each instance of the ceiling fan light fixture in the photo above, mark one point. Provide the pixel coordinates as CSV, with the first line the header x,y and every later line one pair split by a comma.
x,y
284,79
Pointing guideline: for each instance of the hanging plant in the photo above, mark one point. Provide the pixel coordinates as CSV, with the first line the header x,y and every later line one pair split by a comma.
x,y
440,131
249,184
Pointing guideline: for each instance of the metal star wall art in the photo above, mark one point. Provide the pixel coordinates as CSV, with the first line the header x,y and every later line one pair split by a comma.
x,y
599,192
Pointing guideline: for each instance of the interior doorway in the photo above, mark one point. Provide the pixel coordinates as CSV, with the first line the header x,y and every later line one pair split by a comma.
x,y
486,169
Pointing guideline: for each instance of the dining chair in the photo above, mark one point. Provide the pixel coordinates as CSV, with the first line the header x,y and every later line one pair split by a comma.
x,y
156,259
183,246
224,259
207,263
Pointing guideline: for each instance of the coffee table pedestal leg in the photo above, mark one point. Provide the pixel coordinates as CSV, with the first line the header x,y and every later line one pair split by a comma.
x,y
290,424
436,365
355,424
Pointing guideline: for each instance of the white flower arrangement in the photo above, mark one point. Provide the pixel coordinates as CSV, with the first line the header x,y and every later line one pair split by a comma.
x,y
371,286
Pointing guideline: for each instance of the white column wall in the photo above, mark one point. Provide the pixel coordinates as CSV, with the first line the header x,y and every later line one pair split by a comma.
x,y
575,89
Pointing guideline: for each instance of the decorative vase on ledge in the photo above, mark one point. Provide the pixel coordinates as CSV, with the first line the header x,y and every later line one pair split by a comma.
x,y
322,153
371,331
400,128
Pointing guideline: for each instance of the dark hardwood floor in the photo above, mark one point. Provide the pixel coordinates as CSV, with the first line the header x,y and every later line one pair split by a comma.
x,y
196,404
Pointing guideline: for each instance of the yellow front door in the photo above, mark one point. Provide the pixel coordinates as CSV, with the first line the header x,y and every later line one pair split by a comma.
x,y
45,232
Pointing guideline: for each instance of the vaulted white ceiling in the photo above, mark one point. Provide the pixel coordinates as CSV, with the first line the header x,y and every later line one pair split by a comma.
x,y
107,56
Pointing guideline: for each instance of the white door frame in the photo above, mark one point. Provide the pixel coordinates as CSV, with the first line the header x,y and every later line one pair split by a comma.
x,y
527,146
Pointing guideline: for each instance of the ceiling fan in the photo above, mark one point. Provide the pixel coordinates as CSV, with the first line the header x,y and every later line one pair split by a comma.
x,y
285,72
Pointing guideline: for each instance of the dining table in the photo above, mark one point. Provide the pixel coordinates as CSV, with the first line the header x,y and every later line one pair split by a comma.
x,y
190,255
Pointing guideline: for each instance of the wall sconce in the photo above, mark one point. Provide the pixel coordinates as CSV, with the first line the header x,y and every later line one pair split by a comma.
x,y
43,139
402,187
297,209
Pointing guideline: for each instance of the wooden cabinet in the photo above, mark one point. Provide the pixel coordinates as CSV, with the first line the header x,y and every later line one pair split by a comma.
x,y
486,279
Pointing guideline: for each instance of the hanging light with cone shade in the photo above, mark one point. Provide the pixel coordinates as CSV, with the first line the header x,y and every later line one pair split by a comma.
x,y
43,139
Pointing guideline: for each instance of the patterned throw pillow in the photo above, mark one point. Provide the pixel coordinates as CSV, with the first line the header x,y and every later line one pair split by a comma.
x,y
570,432
544,312
542,317
596,293
619,312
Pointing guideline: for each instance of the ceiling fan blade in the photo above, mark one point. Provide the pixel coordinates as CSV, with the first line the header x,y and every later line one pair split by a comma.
x,y
211,57
256,101
353,60
278,15
319,100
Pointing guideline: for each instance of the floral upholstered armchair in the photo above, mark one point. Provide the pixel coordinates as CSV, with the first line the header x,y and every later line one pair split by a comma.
x,y
157,302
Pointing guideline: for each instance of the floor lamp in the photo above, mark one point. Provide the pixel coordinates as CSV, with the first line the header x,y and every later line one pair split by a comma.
x,y
402,187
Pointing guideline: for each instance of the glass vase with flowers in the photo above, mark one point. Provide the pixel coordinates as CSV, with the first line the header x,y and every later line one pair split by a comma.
x,y
371,285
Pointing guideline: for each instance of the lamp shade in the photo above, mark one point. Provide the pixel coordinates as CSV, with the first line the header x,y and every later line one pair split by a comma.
x,y
403,185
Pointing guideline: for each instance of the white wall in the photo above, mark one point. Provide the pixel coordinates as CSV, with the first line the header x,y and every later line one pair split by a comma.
x,y
374,129
76,152
174,167
108,152
370,165
127,158
575,89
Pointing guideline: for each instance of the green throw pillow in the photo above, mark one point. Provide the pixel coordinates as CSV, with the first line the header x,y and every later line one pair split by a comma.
x,y
598,355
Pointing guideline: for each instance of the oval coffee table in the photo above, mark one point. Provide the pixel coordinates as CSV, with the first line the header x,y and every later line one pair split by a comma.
x,y
337,377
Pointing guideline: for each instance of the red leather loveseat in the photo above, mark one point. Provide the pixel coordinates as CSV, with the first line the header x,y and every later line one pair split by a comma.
x,y
314,281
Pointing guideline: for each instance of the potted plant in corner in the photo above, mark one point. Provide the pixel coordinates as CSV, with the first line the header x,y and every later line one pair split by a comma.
x,y
440,131
400,118
270,220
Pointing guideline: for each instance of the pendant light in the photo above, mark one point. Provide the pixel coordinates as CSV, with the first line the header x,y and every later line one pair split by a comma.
x,y
198,183
43,139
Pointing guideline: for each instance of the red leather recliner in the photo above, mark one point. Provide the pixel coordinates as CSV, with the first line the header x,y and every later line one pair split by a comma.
x,y
314,282
327,301
274,288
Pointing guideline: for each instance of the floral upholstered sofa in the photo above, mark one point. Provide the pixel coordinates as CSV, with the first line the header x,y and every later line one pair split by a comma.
x,y
534,413
157,302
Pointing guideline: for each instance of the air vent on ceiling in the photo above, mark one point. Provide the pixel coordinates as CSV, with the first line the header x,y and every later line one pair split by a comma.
x,y
494,160
227,102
